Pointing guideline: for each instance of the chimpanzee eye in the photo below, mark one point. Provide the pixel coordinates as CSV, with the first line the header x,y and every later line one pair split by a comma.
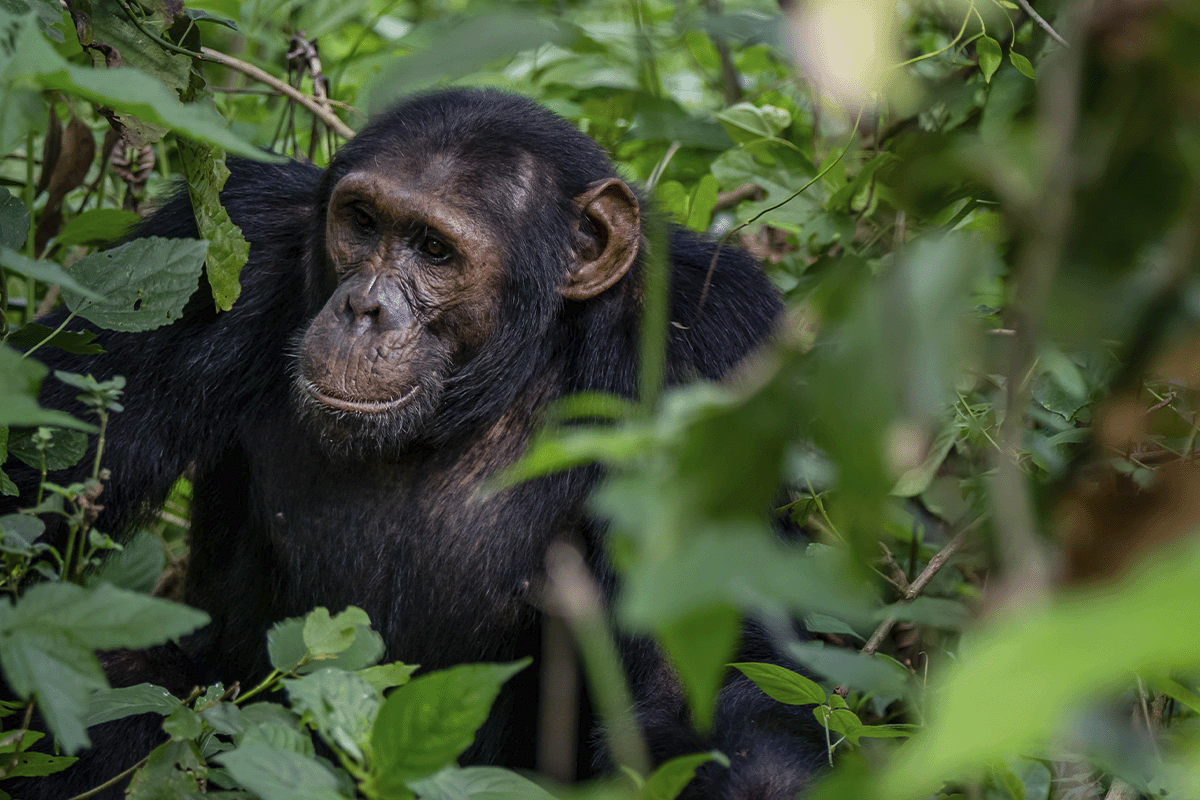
x,y
362,218
433,247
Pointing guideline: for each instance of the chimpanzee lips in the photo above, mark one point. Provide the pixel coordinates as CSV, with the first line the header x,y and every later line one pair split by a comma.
x,y
359,406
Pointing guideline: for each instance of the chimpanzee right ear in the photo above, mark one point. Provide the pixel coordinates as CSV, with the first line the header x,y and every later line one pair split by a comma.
x,y
610,234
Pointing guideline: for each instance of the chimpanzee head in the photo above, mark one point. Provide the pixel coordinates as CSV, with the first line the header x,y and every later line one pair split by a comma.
x,y
455,228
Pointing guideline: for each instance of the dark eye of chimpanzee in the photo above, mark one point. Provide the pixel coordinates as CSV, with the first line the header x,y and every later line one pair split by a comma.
x,y
433,247
363,219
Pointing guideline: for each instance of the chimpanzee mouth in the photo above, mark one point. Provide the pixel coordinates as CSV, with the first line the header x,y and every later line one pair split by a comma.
x,y
359,406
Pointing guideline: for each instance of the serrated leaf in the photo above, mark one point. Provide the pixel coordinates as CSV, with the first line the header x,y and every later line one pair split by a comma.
x,y
204,167
64,449
1022,64
990,56
478,783
427,723
109,704
328,635
280,774
782,684
388,676
341,705
145,283
105,617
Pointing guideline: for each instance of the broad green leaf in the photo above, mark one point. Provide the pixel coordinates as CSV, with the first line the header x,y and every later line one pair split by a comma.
x,y
44,271
225,718
917,479
172,772
1026,674
55,667
27,528
97,226
783,684
478,783
280,774
183,723
874,673
64,449
204,167
428,722
33,765
700,645
670,779
387,676
701,203
145,283
33,333
104,617
340,705
1022,64
29,63
14,221
19,382
745,122
109,704
327,635
285,644
137,567
990,56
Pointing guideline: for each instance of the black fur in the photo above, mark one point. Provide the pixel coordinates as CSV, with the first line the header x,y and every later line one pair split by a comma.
x,y
283,521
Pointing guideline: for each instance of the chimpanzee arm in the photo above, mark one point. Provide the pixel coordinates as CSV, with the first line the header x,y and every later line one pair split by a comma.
x,y
188,383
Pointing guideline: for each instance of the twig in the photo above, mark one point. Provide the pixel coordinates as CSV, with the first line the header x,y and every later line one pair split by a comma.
x,y
1036,17
113,781
322,113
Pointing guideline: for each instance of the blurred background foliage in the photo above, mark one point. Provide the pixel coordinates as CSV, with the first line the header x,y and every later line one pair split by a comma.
x,y
984,218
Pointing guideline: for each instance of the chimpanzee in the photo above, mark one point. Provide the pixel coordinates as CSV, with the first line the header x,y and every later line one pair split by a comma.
x,y
406,314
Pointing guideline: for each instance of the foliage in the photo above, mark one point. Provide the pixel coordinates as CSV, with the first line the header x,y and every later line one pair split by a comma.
x,y
982,403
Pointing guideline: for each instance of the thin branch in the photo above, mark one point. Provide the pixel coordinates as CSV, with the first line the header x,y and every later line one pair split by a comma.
x,y
1036,17
319,111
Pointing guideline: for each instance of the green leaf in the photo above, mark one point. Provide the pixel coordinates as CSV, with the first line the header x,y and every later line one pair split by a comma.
x,y
701,203
33,65
783,684
19,382
1026,674
44,271
33,333
746,123
326,635
990,56
14,221
341,705
478,783
55,667
387,676
106,617
109,704
285,644
137,567
183,723
145,283
873,673
700,645
1021,63
427,723
280,774
171,773
203,16
97,226
918,479
64,449
673,776
204,166
34,765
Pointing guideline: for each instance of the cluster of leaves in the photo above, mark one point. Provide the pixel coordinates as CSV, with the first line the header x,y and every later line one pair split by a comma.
x,y
988,375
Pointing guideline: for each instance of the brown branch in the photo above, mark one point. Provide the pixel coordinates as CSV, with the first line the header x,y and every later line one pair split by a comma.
x,y
324,114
